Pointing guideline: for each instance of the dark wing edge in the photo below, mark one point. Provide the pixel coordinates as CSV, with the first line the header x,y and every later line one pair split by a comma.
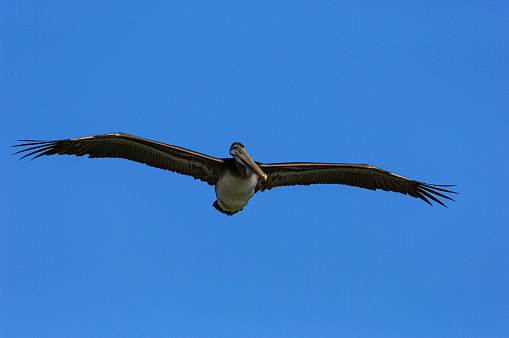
x,y
357,175
119,145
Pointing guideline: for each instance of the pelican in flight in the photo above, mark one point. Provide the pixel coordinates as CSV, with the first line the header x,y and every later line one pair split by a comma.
x,y
236,179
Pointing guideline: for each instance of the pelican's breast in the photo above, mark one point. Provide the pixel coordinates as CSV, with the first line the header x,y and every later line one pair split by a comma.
x,y
233,192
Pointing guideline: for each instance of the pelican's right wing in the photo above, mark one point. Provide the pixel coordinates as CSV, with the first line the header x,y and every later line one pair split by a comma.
x,y
120,145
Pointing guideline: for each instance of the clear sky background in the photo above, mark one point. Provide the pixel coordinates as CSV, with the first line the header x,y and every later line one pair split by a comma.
x,y
108,247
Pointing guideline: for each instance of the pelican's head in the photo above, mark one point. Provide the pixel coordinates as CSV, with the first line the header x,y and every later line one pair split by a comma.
x,y
238,151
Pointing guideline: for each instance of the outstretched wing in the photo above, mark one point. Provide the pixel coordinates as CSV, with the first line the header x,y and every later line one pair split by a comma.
x,y
119,145
356,175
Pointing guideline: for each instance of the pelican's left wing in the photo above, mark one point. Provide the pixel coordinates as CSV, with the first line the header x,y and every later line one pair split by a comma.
x,y
357,175
120,145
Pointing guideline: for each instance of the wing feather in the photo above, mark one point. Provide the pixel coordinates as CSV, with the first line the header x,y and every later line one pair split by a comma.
x,y
137,149
357,175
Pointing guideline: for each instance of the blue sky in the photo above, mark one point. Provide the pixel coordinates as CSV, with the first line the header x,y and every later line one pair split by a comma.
x,y
109,247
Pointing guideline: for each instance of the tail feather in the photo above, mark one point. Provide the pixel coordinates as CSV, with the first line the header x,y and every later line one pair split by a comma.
x,y
218,207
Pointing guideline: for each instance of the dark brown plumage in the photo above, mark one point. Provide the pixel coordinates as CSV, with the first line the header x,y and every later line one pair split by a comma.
x,y
209,169
137,149
356,175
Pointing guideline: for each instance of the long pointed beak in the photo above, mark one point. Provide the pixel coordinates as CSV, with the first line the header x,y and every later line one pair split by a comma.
x,y
248,161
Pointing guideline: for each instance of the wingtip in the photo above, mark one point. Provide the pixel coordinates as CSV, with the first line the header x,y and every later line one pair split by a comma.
x,y
427,190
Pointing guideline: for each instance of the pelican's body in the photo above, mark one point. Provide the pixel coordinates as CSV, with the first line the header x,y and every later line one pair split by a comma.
x,y
236,179
234,190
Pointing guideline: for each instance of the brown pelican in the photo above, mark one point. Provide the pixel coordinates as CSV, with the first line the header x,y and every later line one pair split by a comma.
x,y
236,179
